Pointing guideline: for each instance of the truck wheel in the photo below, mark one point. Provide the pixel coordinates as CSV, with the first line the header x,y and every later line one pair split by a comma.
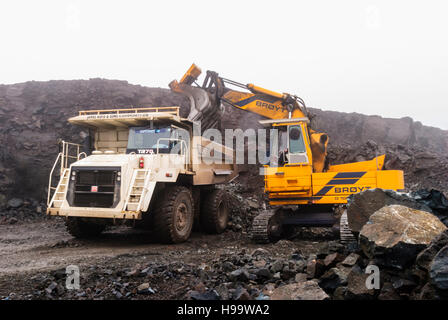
x,y
80,228
174,215
214,212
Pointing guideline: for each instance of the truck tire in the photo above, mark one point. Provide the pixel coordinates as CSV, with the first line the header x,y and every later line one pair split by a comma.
x,y
82,229
173,215
214,212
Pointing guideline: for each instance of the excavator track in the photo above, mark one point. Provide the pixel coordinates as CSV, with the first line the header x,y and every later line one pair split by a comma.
x,y
265,227
346,234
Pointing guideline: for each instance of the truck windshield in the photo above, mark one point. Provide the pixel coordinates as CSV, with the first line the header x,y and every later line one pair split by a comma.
x,y
146,140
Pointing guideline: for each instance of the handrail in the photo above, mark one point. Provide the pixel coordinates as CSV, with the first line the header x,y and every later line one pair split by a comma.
x,y
50,178
173,110
80,154
63,157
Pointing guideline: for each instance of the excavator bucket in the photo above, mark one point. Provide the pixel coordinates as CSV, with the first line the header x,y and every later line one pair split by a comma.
x,y
203,107
191,75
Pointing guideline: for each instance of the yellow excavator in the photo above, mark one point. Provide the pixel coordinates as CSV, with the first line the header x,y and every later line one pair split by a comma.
x,y
302,187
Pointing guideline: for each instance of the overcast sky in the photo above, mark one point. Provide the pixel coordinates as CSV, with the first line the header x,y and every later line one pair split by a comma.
x,y
374,57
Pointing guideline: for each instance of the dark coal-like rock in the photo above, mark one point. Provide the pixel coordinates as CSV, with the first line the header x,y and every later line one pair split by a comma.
x,y
403,285
439,269
351,260
332,259
435,200
287,273
241,294
227,266
51,287
60,274
207,295
356,288
428,292
339,293
297,256
15,203
223,291
426,256
315,268
301,265
277,266
333,278
239,275
388,292
396,234
264,273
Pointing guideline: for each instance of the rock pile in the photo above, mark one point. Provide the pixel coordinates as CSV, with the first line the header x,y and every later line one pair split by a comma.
x,y
423,169
17,209
332,272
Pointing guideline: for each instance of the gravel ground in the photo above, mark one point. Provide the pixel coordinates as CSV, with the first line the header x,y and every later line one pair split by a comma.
x,y
35,255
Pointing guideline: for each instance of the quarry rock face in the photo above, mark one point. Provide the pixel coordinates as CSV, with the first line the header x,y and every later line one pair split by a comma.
x,y
383,131
395,235
423,168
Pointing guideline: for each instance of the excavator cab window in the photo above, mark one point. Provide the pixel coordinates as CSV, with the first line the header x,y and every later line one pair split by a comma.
x,y
296,143
296,148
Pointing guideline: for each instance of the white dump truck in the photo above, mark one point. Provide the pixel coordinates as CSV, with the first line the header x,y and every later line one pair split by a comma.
x,y
142,166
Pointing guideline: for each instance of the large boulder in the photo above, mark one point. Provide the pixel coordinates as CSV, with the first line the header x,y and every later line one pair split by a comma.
x,y
395,234
362,205
308,290
439,269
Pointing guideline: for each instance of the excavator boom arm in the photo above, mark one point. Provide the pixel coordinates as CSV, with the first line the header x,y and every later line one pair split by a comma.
x,y
267,103
258,100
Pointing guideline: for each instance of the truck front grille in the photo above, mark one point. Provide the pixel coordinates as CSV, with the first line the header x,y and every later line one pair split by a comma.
x,y
94,187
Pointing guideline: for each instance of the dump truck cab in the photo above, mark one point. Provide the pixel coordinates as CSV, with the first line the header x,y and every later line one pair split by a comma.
x,y
132,159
